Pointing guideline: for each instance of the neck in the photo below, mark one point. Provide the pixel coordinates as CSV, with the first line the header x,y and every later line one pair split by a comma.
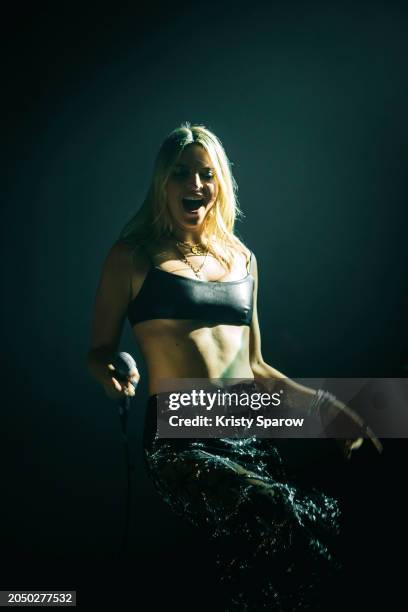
x,y
186,236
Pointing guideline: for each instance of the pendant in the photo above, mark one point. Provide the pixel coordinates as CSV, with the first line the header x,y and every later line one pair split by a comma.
x,y
197,250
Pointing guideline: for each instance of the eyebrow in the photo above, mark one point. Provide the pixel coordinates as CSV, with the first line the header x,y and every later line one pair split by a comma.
x,y
187,166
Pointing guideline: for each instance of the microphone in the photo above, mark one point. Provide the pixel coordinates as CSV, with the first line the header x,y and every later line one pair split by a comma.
x,y
124,364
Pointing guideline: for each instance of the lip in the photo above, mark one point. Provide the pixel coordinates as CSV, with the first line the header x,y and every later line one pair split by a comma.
x,y
194,211
200,204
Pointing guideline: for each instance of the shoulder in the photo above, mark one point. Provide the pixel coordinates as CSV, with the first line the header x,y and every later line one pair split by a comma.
x,y
125,269
241,250
253,259
253,266
249,255
133,263
125,258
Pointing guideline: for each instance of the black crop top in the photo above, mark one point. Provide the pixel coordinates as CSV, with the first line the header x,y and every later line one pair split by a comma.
x,y
165,295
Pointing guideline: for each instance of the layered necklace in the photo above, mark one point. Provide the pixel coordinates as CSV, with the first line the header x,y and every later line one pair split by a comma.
x,y
195,249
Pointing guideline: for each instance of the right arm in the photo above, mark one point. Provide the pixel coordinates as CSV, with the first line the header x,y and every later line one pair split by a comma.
x,y
113,295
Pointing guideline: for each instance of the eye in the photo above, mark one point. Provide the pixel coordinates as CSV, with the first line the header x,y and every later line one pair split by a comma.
x,y
183,173
180,173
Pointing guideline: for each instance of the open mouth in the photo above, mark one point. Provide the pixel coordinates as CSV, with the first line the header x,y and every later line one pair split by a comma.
x,y
192,205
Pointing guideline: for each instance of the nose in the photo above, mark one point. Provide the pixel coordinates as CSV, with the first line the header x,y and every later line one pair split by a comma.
x,y
195,180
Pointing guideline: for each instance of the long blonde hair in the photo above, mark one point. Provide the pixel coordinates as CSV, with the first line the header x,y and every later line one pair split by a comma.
x,y
153,221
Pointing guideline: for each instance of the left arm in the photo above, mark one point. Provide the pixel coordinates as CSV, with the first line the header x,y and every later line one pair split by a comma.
x,y
295,394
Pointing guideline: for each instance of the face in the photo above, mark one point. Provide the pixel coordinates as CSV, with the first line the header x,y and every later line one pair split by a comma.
x,y
191,189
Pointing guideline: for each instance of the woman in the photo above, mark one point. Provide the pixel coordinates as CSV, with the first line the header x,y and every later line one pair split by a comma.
x,y
188,286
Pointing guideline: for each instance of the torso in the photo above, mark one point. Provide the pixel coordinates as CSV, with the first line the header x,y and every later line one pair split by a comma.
x,y
174,349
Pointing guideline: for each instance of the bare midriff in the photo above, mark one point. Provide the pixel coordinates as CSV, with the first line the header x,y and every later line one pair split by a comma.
x,y
180,349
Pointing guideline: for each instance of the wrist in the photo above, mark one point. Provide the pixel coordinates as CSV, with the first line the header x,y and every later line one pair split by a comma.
x,y
98,367
320,403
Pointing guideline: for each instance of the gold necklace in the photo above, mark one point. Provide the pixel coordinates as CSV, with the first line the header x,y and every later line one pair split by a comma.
x,y
197,271
196,249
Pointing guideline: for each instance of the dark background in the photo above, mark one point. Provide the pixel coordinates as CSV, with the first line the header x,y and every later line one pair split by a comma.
x,y
309,100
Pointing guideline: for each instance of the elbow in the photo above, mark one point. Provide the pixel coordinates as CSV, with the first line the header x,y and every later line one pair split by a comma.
x,y
258,367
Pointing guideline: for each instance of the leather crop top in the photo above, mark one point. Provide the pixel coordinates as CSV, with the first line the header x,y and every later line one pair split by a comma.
x,y
165,295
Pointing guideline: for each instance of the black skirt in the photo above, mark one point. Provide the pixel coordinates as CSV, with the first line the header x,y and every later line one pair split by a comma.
x,y
274,538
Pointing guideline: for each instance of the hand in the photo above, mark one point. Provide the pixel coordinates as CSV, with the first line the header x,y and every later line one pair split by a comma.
x,y
348,446
116,387
347,427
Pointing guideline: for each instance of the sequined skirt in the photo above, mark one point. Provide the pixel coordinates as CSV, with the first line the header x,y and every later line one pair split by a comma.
x,y
274,539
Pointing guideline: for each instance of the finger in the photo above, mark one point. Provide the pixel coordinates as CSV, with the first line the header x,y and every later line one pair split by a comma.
x,y
374,440
368,432
116,384
130,389
350,445
362,429
355,444
134,375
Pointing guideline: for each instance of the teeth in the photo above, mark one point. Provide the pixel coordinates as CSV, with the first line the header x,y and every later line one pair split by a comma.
x,y
194,199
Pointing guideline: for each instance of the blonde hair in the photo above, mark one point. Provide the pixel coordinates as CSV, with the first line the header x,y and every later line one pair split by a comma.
x,y
153,220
